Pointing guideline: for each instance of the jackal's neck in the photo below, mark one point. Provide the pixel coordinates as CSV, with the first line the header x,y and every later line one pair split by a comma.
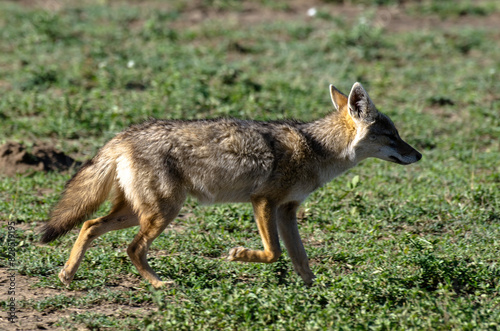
x,y
335,135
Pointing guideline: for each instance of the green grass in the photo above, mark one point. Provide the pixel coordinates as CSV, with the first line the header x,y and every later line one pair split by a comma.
x,y
393,247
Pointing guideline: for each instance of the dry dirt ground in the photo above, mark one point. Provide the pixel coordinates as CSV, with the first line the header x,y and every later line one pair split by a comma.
x,y
16,158
31,319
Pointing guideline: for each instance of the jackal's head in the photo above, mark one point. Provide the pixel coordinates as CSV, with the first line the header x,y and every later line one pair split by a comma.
x,y
376,135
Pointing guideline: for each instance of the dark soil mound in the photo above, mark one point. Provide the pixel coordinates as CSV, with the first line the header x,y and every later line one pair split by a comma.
x,y
14,158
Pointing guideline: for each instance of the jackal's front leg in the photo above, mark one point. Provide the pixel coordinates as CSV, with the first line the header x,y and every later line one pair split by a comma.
x,y
289,232
265,216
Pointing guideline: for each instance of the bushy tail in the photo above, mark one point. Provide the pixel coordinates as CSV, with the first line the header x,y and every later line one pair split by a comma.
x,y
83,195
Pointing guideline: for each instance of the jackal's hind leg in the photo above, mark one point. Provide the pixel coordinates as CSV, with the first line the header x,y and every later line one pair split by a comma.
x,y
120,217
152,223
265,216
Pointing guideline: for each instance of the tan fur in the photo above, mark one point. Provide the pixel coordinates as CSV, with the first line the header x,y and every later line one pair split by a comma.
x,y
150,168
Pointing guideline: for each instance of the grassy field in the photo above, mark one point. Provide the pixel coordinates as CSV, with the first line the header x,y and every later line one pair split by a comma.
x,y
393,247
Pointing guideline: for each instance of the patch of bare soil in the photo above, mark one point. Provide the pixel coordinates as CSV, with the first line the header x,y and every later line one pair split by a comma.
x,y
395,19
32,319
27,319
15,158
391,18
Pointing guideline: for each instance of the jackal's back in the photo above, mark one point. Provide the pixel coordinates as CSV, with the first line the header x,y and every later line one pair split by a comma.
x,y
217,160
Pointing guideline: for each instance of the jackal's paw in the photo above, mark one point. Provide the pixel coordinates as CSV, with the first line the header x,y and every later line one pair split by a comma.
x,y
236,253
308,279
162,284
65,277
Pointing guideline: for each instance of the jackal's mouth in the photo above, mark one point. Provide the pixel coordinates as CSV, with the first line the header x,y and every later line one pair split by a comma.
x,y
398,161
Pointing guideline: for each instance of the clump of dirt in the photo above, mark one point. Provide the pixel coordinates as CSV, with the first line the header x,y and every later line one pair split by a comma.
x,y
15,158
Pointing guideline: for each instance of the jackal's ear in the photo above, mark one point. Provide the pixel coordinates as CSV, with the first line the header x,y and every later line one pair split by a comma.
x,y
339,99
361,107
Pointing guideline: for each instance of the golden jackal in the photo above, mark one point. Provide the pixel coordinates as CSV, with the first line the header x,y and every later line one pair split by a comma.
x,y
153,166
